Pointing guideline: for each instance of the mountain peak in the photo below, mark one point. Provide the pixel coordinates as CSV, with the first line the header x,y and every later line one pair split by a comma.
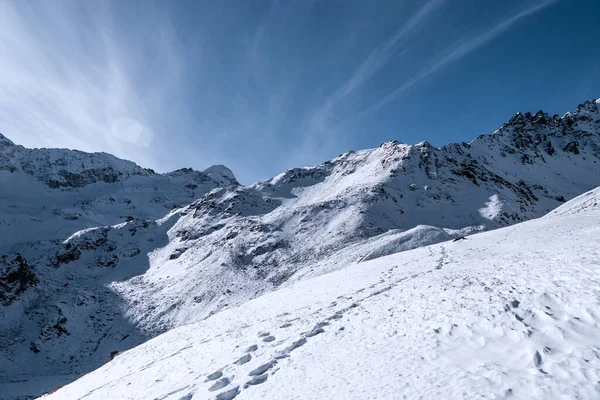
x,y
589,106
5,142
65,168
221,174
586,111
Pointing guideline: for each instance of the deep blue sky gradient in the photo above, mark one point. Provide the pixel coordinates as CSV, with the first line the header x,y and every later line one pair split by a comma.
x,y
262,86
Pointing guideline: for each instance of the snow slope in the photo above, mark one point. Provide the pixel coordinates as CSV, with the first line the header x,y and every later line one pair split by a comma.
x,y
235,244
93,265
59,319
589,201
510,313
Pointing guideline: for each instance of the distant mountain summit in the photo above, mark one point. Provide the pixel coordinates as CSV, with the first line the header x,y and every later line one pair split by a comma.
x,y
51,193
63,168
101,254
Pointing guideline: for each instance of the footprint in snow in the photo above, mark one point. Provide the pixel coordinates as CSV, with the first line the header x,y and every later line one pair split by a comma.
x,y
263,334
337,315
243,359
257,380
252,348
294,345
262,368
220,384
380,291
321,324
269,339
286,325
215,375
318,329
315,332
340,312
228,395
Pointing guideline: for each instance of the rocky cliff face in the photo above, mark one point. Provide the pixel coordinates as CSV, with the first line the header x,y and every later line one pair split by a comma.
x,y
105,269
16,276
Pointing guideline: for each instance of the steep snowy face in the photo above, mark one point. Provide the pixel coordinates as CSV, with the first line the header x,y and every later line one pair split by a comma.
x,y
221,174
511,313
67,220
59,317
589,201
234,244
5,143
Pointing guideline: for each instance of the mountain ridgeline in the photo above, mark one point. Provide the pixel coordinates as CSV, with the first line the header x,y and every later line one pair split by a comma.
x,y
98,254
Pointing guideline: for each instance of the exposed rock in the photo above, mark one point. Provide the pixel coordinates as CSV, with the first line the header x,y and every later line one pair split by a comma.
x,y
16,276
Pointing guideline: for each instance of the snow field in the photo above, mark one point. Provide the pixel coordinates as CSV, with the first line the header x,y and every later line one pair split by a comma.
x,y
511,313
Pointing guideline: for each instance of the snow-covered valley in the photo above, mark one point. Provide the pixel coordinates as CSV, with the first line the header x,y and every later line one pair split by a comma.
x,y
99,255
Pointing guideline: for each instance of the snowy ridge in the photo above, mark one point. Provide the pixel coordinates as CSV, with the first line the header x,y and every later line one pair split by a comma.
x,y
52,193
234,244
511,313
66,168
221,174
589,201
58,252
95,269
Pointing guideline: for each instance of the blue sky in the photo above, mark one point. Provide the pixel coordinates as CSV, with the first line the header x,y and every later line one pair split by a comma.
x,y
262,86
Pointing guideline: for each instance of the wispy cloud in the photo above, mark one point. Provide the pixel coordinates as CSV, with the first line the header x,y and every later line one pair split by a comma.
x,y
329,128
319,134
68,78
459,50
257,85
381,54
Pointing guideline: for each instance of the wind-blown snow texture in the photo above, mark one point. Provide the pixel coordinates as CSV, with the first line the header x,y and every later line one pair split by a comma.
x,y
76,283
511,313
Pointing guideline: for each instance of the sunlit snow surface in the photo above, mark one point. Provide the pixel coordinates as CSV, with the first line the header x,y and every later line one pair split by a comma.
x,y
110,275
492,208
510,313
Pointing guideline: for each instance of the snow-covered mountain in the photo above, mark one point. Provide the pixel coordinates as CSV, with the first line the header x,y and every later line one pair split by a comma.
x,y
47,195
511,313
52,193
83,275
234,244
